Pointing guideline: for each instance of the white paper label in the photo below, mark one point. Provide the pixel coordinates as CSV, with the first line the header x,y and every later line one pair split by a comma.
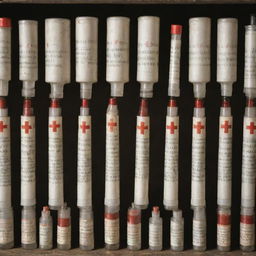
x,y
6,231
171,164
55,156
64,235
142,161
5,163
28,161
247,237
248,163
45,234
5,54
225,161
177,234
28,231
198,162
223,235
199,233
86,234
111,231
155,235
112,179
133,234
84,162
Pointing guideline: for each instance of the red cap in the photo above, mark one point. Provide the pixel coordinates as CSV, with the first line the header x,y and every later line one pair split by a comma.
x,y
85,103
199,103
5,23
112,101
155,209
2,103
143,110
176,29
46,209
55,103
172,103
250,102
225,104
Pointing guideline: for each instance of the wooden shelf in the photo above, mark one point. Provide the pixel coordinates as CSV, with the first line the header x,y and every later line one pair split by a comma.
x,y
123,252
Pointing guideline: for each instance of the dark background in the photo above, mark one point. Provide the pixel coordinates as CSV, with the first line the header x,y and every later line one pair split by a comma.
x,y
128,107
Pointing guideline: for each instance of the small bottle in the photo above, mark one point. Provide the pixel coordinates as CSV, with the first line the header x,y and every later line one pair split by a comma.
x,y
111,225
177,231
45,229
224,229
28,227
6,228
199,229
134,228
155,230
86,232
64,228
247,230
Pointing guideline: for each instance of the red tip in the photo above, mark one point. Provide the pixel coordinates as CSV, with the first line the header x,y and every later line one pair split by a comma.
x,y
2,103
176,29
112,101
199,103
27,107
225,104
85,103
27,103
46,209
5,23
250,103
55,103
172,103
155,209
143,110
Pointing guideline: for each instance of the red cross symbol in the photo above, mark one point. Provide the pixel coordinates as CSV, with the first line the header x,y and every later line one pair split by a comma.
x,y
54,126
111,125
26,127
226,126
198,126
142,127
172,127
251,127
84,127
2,126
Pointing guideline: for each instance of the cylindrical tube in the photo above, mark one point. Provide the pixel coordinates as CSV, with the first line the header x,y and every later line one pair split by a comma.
x,y
111,228
142,157
55,155
28,227
225,155
134,228
224,229
248,156
86,231
5,56
86,54
148,54
199,229
112,175
198,156
247,229
199,54
28,156
227,54
84,158
155,230
6,228
57,54
177,231
28,53
64,228
171,165
45,229
118,36
174,68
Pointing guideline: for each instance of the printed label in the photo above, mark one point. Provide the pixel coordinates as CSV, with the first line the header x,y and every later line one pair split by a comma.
x,y
86,233
6,231
199,233
28,161
5,53
223,235
111,231
174,70
247,236
112,175
155,235
64,235
45,234
84,162
28,231
142,161
177,234
133,234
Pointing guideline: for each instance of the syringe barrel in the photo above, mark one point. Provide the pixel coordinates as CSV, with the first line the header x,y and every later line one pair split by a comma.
x,y
57,51
86,49
199,49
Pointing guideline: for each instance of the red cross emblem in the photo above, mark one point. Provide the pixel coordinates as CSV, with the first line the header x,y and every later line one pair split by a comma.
x,y
26,127
226,126
84,127
2,126
251,127
142,127
198,126
111,125
54,126
172,127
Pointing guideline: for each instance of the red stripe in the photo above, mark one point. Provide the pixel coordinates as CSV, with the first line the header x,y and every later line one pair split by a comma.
x,y
62,222
111,216
223,219
247,219
134,219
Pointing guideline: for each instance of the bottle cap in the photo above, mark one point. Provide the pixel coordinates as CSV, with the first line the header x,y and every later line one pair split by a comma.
x,y
5,23
176,29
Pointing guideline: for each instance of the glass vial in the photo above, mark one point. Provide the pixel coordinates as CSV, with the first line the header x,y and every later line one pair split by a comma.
x,y
45,229
199,229
177,231
6,228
